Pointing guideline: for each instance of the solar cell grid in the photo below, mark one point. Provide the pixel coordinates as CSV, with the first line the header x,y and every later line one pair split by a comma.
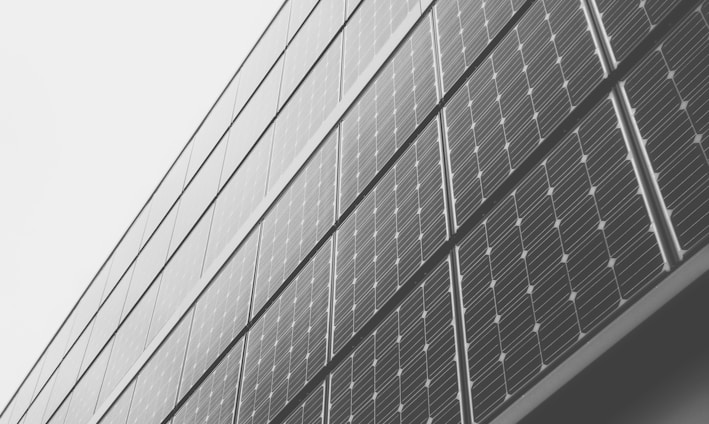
x,y
626,22
516,98
221,312
316,33
129,342
668,92
85,394
387,113
297,222
181,275
288,344
406,370
394,229
368,30
465,28
564,250
311,411
306,111
118,414
214,401
240,196
156,384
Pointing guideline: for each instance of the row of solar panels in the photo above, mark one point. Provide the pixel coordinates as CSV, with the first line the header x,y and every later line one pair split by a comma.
x,y
568,241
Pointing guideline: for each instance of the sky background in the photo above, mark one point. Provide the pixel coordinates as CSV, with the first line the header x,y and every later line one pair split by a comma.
x,y
96,101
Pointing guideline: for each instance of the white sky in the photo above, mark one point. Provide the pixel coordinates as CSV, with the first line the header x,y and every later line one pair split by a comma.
x,y
96,100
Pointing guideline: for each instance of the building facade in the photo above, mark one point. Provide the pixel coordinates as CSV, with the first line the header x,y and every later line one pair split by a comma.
x,y
404,211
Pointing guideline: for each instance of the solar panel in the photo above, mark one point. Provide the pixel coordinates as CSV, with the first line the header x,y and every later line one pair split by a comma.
x,y
367,31
563,251
405,371
668,91
118,414
214,400
627,22
239,197
129,342
298,13
156,385
288,344
387,113
165,196
68,372
306,111
53,355
221,312
311,411
60,415
516,98
35,413
252,121
351,5
126,250
106,322
26,392
303,50
85,394
150,260
297,221
180,275
395,228
465,28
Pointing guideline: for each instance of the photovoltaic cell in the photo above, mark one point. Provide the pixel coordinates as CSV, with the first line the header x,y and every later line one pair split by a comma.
x,y
288,344
150,261
311,411
387,113
319,29
118,414
306,111
627,22
214,401
405,372
252,121
180,275
395,228
465,28
239,198
221,312
297,221
367,32
129,342
156,385
564,250
534,78
85,395
669,94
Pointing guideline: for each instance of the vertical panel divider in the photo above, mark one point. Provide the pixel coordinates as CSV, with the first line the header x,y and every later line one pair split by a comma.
x,y
650,191
455,287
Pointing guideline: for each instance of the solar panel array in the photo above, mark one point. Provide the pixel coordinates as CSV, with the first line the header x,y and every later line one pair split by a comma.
x,y
482,187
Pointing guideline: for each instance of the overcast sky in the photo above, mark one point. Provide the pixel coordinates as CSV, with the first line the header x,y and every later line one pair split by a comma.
x,y
96,101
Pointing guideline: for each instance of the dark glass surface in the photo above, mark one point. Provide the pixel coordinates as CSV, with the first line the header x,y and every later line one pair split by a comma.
x,y
387,113
129,342
252,121
395,228
288,344
156,385
297,221
213,127
669,93
239,197
318,30
367,32
214,400
516,98
221,312
556,257
305,112
405,371
85,395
